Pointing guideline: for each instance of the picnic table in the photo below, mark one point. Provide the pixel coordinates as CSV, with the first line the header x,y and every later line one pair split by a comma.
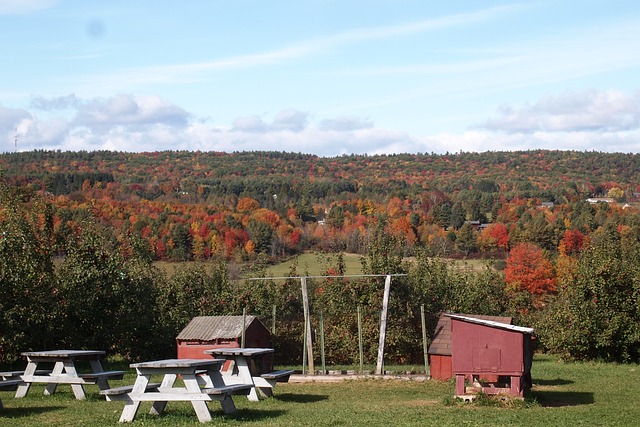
x,y
65,371
248,369
202,383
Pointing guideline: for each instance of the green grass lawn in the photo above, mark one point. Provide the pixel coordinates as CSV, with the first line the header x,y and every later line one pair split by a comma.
x,y
564,394
311,264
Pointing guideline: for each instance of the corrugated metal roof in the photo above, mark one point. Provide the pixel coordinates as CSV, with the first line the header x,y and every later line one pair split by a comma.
x,y
493,324
207,328
441,344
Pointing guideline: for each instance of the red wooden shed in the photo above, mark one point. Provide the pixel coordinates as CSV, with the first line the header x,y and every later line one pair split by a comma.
x,y
440,348
208,332
487,347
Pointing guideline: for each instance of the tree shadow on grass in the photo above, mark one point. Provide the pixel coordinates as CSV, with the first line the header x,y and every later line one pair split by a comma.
x,y
300,398
557,381
9,412
554,399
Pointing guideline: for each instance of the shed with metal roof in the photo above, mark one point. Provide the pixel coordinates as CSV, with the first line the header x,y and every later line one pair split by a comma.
x,y
482,347
440,348
209,332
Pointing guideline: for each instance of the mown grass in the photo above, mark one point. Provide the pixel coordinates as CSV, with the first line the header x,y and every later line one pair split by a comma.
x,y
564,394
312,264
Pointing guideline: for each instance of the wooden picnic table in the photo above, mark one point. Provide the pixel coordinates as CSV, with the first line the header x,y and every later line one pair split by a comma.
x,y
65,371
248,369
202,383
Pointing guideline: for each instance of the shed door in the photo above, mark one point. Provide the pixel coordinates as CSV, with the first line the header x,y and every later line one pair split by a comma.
x,y
486,359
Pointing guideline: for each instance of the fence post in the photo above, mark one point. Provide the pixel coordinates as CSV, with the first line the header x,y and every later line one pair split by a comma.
x,y
324,366
383,325
425,349
307,324
244,326
360,340
273,320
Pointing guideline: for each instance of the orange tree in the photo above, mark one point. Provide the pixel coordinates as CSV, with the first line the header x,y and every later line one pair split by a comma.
x,y
527,269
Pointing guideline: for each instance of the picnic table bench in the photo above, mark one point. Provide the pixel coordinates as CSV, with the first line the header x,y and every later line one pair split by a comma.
x,y
200,387
8,384
247,369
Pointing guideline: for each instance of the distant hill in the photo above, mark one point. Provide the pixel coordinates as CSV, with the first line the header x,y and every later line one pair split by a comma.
x,y
197,176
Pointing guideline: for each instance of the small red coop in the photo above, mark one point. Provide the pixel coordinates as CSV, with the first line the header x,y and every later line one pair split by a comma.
x,y
209,332
440,349
484,347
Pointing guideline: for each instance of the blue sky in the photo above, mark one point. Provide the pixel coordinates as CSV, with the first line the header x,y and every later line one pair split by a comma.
x,y
326,77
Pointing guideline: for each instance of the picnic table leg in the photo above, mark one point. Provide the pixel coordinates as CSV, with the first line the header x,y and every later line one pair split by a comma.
x,y
167,382
24,387
228,407
131,407
78,389
244,373
96,366
50,389
200,406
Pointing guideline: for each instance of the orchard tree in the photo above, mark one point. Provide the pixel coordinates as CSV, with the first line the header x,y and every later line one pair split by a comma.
x,y
596,315
26,272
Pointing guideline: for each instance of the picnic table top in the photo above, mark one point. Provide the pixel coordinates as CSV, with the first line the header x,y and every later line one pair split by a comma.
x,y
247,352
64,353
178,363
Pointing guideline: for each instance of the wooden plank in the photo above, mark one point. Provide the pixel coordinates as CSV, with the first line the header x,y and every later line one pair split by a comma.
x,y
276,375
127,389
105,374
10,383
177,363
230,389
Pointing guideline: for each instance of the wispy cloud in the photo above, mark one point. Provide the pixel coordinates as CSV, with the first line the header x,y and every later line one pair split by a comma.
x,y
196,71
22,7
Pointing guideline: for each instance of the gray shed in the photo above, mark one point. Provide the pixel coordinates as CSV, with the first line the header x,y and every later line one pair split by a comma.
x,y
208,332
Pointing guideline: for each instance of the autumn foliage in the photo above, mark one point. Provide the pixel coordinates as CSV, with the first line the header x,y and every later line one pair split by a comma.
x,y
528,270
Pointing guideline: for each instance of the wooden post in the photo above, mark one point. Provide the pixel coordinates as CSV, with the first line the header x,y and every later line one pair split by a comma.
x,y
307,324
273,320
425,348
324,366
383,325
360,341
244,326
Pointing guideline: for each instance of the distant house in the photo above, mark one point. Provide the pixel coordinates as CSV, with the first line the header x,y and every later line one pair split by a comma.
x,y
546,205
594,200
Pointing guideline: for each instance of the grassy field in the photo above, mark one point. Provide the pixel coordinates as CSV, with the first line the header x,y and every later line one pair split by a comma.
x,y
564,394
314,265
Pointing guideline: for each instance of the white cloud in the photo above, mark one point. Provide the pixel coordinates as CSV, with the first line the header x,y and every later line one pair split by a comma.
x,y
249,124
129,110
600,121
345,123
290,119
609,111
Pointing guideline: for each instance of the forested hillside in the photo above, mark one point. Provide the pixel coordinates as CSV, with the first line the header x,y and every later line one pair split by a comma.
x,y
80,232
192,205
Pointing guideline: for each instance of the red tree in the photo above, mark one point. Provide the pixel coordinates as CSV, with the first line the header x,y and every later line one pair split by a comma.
x,y
528,270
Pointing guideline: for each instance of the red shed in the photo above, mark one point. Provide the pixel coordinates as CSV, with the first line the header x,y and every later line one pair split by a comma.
x,y
488,347
440,348
208,332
